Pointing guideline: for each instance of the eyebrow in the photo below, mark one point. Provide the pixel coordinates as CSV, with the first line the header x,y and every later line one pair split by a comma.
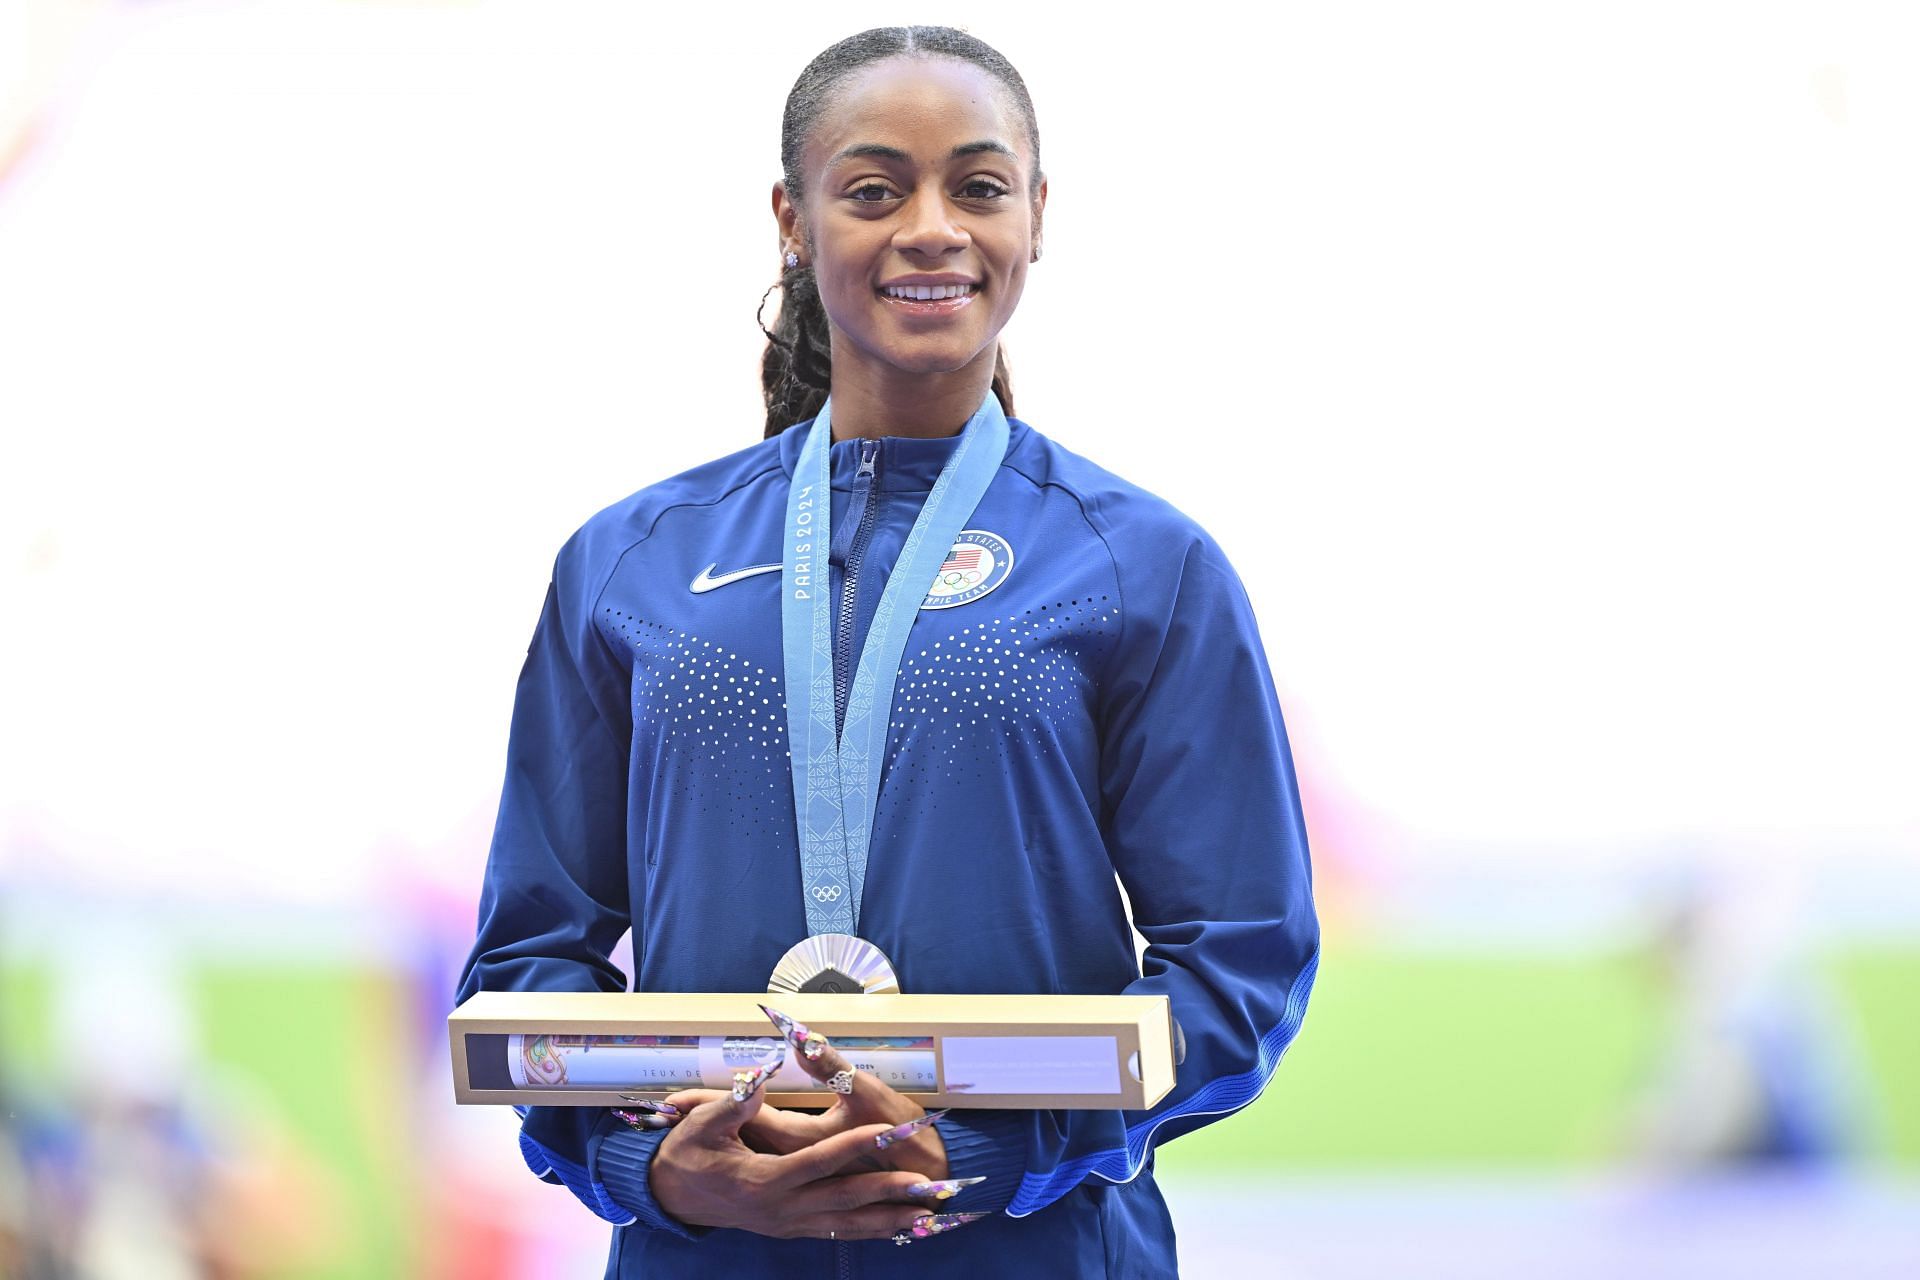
x,y
895,153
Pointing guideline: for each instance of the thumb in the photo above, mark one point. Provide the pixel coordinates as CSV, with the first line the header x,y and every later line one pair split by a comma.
x,y
743,1104
686,1100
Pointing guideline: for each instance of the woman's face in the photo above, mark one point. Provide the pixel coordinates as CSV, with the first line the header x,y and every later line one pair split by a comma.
x,y
916,170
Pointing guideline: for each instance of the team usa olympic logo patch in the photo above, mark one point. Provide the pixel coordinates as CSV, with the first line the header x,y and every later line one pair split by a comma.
x,y
978,562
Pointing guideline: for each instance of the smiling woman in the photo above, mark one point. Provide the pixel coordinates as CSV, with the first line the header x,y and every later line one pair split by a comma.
x,y
1002,678
908,165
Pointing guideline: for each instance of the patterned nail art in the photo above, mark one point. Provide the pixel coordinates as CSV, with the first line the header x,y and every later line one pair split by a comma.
x,y
746,1083
795,1031
932,1224
648,1104
943,1190
814,1045
901,1132
639,1121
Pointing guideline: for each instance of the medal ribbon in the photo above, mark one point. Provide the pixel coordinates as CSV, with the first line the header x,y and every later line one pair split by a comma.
x,y
835,782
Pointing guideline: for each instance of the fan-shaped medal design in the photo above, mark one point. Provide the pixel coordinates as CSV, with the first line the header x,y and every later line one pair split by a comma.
x,y
834,964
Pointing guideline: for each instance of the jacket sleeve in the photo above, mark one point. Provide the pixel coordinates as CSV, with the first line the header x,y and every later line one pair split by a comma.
x,y
1201,817
554,900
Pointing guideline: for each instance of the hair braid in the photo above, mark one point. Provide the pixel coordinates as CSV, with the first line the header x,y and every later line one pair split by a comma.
x,y
797,368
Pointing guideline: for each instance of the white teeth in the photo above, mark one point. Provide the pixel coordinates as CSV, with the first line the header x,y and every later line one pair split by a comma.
x,y
927,292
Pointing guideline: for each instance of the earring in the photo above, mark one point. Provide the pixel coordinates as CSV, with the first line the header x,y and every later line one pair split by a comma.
x,y
793,260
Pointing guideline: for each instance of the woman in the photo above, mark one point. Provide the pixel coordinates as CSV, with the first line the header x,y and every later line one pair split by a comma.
x,y
1076,689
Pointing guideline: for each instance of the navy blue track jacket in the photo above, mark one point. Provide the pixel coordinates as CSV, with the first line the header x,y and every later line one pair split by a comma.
x,y
1103,706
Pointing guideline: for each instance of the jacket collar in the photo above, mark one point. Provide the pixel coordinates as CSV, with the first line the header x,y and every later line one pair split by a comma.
x,y
907,464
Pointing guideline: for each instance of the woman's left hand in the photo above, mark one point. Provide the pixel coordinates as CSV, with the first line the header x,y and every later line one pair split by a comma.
x,y
865,1101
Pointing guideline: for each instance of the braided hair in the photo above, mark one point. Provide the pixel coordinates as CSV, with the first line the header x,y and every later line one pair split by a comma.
x,y
797,368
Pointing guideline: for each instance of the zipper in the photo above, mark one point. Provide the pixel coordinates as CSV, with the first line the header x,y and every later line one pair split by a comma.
x,y
861,514
845,1257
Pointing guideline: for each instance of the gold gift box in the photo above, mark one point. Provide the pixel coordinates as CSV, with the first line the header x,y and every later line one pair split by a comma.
x,y
988,1051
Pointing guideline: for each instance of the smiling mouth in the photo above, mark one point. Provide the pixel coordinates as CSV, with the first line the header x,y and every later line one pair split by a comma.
x,y
940,299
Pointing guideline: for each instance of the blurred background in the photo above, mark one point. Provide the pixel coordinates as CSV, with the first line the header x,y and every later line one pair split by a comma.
x,y
1547,371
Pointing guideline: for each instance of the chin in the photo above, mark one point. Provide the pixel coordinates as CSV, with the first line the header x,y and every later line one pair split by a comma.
x,y
935,364
919,354
923,360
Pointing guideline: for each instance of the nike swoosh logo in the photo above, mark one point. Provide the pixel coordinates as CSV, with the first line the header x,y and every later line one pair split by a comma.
x,y
706,581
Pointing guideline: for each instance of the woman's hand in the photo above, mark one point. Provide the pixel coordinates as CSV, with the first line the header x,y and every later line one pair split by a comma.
x,y
860,1100
703,1174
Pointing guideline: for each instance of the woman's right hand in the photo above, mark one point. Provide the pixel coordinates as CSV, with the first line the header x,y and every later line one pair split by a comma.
x,y
704,1175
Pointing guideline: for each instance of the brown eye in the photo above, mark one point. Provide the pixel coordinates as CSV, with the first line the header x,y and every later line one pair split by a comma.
x,y
992,188
868,186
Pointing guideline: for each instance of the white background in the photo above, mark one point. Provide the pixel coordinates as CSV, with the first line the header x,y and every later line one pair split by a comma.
x,y
1547,371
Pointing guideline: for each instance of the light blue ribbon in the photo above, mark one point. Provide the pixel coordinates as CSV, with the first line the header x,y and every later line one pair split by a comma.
x,y
836,781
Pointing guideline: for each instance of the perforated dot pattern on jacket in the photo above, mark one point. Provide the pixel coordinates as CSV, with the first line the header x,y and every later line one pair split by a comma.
x,y
704,703
1018,681
1021,681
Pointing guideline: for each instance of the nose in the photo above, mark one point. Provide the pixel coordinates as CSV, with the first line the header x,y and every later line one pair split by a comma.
x,y
929,227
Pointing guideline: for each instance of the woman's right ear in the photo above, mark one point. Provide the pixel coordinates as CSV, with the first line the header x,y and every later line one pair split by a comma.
x,y
786,216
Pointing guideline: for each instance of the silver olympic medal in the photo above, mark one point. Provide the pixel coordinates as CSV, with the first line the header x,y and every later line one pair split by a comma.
x,y
834,964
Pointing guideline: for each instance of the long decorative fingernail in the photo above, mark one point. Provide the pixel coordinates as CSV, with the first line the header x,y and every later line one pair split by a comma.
x,y
648,1104
932,1224
901,1132
788,1027
638,1121
747,1083
813,1046
943,1190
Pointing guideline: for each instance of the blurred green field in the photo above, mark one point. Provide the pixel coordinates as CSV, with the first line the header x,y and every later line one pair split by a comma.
x,y
1881,988
327,1050
1408,1060
1457,1059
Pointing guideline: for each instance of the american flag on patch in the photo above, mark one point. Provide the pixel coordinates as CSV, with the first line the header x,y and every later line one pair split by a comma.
x,y
965,559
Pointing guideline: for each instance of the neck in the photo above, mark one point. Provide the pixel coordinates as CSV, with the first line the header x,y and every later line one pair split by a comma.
x,y
892,402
